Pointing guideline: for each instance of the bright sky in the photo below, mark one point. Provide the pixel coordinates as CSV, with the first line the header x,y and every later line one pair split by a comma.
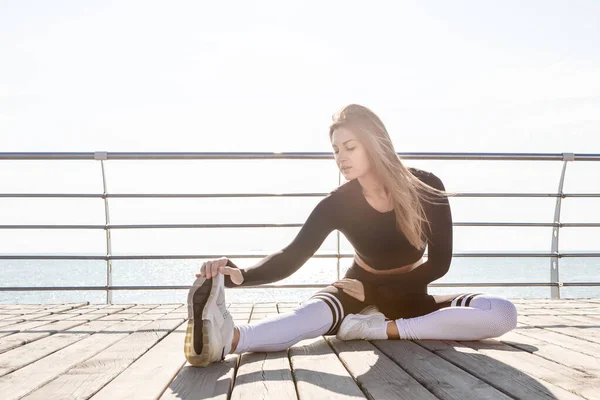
x,y
267,75
448,76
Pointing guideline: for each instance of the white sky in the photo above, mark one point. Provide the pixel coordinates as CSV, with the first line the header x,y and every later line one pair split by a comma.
x,y
448,76
267,75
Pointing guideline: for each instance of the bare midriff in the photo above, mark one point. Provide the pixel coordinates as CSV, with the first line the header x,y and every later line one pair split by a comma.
x,y
393,271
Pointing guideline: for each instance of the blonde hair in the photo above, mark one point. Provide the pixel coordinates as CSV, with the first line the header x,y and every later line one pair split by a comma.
x,y
407,191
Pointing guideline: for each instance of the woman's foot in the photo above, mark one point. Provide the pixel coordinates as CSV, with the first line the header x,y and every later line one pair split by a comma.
x,y
358,326
210,326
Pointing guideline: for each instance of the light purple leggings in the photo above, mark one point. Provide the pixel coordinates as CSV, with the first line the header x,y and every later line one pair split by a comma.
x,y
486,317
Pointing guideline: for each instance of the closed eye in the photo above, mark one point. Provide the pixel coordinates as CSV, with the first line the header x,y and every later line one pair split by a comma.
x,y
349,149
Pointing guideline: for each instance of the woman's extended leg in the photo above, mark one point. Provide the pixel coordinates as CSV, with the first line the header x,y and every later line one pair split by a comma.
x,y
454,317
469,317
320,315
278,332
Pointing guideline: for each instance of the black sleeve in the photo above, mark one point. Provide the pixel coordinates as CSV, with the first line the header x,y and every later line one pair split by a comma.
x,y
281,264
439,253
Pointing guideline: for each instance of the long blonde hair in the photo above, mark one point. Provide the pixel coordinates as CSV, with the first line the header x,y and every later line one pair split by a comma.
x,y
407,190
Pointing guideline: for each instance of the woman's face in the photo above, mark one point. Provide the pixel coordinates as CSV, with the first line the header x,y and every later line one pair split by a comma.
x,y
349,152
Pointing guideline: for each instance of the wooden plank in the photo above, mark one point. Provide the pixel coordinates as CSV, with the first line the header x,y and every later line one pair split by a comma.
x,y
24,306
567,378
30,335
28,325
214,381
319,373
590,321
53,309
561,325
240,312
443,379
554,352
27,379
377,375
162,362
263,310
74,312
568,342
89,377
264,375
504,377
24,355
10,322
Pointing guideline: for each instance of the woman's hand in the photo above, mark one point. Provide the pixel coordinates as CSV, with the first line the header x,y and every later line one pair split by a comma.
x,y
351,287
212,268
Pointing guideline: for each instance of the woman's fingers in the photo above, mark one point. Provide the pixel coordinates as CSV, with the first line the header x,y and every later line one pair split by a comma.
x,y
212,268
345,284
352,293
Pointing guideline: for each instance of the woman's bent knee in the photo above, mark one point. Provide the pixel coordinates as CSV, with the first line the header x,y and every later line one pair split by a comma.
x,y
505,315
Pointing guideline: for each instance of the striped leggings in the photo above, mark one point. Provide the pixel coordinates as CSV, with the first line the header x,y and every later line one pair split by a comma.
x,y
466,316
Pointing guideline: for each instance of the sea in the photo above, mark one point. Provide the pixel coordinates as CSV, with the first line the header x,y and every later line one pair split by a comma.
x,y
274,176
314,271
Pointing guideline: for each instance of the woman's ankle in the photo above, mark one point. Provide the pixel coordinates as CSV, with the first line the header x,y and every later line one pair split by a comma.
x,y
235,340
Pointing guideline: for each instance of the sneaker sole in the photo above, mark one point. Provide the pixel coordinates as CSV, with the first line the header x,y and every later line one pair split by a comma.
x,y
200,321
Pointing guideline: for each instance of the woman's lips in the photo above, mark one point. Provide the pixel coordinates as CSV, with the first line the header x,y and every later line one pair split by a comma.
x,y
345,169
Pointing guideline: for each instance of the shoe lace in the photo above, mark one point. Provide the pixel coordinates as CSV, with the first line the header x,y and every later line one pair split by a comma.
x,y
223,308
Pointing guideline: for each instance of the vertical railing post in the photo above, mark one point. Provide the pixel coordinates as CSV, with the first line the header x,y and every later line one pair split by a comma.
x,y
554,270
101,155
338,235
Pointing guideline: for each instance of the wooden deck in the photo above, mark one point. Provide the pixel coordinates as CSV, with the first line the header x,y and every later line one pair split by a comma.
x,y
83,351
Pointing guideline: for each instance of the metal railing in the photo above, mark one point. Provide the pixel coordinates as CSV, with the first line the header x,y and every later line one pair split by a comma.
x,y
555,283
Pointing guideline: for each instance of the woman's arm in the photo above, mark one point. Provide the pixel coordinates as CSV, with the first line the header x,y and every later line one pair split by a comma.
x,y
283,263
439,253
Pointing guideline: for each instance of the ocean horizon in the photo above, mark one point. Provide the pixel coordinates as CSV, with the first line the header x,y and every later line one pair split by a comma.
x,y
314,271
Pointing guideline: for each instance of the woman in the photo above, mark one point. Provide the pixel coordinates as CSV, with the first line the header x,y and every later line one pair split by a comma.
x,y
389,213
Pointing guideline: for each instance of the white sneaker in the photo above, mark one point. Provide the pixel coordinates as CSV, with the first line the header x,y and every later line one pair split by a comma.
x,y
369,310
210,325
358,326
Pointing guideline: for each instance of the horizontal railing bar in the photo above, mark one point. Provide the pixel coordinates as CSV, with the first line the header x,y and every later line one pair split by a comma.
x,y
283,155
299,286
252,256
251,195
55,195
246,195
291,225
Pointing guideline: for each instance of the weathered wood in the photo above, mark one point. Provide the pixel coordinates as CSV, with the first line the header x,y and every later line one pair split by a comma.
x,y
90,376
161,362
378,376
211,382
214,381
31,377
558,359
52,317
563,325
567,378
554,352
504,377
24,355
568,342
264,375
443,379
30,335
319,373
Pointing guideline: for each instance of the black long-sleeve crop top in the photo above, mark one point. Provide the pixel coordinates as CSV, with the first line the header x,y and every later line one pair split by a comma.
x,y
372,233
